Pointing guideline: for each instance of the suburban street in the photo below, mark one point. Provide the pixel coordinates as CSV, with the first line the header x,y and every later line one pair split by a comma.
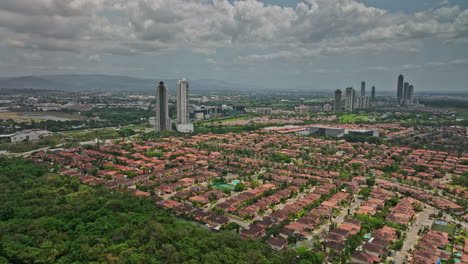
x,y
412,237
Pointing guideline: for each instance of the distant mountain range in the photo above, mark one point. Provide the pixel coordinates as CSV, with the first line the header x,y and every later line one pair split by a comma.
x,y
113,83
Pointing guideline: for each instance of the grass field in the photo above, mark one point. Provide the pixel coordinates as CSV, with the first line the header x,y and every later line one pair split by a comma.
x,y
352,118
211,122
22,116
223,186
447,228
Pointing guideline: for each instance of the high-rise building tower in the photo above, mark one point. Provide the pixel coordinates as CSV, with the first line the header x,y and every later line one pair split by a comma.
x,y
410,95
405,98
182,102
373,93
350,99
363,89
338,100
401,80
163,123
183,115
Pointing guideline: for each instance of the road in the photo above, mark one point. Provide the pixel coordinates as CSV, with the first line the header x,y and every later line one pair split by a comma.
x,y
324,228
26,154
412,236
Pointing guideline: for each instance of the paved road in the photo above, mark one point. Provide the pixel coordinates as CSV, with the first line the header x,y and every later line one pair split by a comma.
x,y
28,153
412,237
323,230
25,154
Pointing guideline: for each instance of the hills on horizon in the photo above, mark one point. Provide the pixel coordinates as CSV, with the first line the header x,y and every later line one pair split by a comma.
x,y
100,82
120,83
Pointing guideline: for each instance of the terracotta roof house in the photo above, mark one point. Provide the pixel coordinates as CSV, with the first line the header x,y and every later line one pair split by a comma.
x,y
278,243
386,233
374,249
217,220
266,222
336,246
424,256
200,214
183,209
169,203
254,231
364,258
286,232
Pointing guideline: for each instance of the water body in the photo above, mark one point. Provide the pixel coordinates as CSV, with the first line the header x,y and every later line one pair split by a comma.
x,y
45,117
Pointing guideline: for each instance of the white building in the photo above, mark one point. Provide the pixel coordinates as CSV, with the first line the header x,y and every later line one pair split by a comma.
x,y
183,117
26,135
327,108
264,110
350,99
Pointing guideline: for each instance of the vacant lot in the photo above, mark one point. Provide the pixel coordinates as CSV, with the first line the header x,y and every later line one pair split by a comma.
x,y
29,116
353,118
211,122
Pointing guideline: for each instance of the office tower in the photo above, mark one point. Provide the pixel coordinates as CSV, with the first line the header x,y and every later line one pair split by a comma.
x,y
182,102
363,89
302,109
338,100
264,110
163,123
410,94
373,93
183,115
400,89
350,99
405,94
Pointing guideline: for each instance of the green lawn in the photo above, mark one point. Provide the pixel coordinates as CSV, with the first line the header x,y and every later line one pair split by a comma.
x,y
211,122
352,118
223,186
447,228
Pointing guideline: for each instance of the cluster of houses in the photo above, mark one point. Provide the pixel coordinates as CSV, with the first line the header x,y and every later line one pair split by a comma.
x,y
284,119
431,248
376,247
181,174
403,212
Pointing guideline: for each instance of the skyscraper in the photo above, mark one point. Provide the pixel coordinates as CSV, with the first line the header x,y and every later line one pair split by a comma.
x,y
405,99
183,119
410,95
363,89
373,93
338,100
350,99
163,123
401,80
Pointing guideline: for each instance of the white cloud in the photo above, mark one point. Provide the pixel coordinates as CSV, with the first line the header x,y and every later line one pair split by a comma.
x,y
269,32
210,61
421,66
94,58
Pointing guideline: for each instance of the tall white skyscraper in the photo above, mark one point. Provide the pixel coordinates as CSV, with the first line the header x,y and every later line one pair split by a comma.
x,y
350,99
183,118
163,123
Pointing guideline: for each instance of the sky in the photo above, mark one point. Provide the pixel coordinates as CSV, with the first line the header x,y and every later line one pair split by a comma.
x,y
316,44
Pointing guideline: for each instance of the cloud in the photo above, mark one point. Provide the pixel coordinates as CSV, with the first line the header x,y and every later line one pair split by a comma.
x,y
210,61
422,66
94,58
266,32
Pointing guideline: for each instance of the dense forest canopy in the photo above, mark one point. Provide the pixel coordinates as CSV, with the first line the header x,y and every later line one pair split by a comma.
x,y
48,218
